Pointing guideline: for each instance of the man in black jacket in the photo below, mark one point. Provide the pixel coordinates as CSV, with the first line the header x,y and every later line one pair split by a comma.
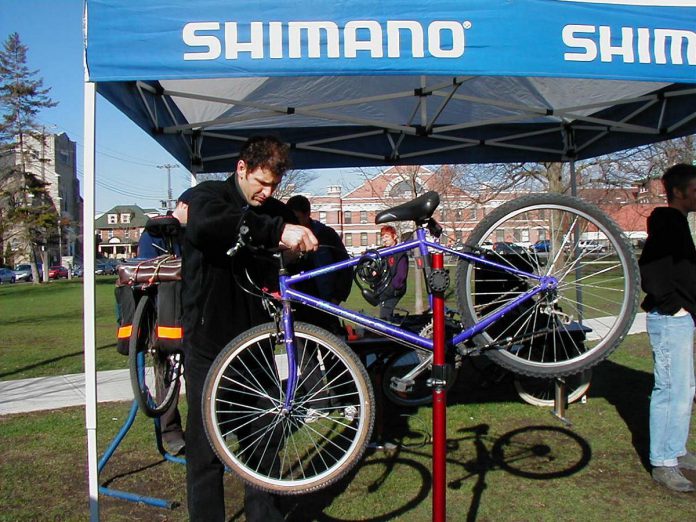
x,y
668,273
215,309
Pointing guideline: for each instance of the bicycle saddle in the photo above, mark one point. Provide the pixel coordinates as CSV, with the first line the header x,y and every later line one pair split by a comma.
x,y
419,210
163,226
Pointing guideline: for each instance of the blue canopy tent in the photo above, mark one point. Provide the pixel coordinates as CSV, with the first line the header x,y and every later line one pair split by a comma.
x,y
359,83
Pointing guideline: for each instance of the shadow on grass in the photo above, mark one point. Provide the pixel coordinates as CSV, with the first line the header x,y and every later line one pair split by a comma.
x,y
52,360
532,452
628,390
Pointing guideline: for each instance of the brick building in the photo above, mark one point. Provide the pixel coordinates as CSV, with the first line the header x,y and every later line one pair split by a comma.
x,y
352,214
118,230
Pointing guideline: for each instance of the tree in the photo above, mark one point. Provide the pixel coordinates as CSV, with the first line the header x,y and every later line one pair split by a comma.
x,y
293,182
28,212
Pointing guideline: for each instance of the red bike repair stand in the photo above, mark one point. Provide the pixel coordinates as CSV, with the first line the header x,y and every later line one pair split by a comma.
x,y
439,281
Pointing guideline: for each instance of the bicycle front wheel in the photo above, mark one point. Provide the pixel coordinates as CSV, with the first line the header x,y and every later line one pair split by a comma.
x,y
563,330
325,431
154,374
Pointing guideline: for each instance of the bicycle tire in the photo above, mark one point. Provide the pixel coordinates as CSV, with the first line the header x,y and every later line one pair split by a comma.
x,y
559,332
314,444
541,392
151,370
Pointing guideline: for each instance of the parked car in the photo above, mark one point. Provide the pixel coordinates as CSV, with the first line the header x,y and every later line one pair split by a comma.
x,y
57,271
543,245
105,267
23,272
7,276
78,271
505,247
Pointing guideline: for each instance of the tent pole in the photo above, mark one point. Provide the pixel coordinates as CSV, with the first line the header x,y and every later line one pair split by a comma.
x,y
89,300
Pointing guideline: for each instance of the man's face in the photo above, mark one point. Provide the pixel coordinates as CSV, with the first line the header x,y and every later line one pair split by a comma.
x,y
257,184
685,199
388,239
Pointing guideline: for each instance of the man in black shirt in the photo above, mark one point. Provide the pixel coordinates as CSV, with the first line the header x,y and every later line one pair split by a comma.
x,y
215,309
668,273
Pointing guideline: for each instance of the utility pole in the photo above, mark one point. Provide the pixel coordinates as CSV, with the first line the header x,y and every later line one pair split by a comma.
x,y
170,200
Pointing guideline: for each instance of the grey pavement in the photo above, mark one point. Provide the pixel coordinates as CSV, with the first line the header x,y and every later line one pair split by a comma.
x,y
48,393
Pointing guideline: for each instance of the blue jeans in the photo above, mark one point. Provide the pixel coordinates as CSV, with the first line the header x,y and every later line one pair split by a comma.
x,y
672,340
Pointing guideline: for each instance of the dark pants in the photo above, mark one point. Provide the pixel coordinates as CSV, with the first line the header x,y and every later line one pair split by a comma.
x,y
204,471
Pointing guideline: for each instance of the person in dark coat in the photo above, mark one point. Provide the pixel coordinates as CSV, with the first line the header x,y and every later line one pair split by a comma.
x,y
333,287
668,273
216,309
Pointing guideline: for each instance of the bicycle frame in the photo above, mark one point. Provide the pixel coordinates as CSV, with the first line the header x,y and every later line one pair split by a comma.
x,y
423,247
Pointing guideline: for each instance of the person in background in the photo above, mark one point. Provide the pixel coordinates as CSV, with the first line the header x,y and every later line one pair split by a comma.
x,y
398,274
668,273
334,287
149,247
216,309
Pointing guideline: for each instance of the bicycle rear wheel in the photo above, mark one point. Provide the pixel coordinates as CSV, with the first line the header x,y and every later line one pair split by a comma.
x,y
307,448
560,331
154,374
542,392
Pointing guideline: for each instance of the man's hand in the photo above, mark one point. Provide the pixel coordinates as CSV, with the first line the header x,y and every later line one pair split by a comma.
x,y
298,238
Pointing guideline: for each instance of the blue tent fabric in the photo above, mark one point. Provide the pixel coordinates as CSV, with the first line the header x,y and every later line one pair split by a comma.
x,y
403,82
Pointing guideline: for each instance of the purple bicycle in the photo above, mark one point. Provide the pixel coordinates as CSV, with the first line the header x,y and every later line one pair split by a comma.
x,y
289,406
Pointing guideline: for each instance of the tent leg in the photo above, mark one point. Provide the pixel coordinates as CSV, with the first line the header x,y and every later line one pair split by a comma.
x,y
88,298
133,497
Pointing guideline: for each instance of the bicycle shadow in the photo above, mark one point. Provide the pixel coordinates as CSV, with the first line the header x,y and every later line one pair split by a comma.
x,y
631,399
533,452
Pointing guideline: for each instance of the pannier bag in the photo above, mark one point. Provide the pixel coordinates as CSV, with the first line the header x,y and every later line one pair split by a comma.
x,y
164,272
126,301
169,331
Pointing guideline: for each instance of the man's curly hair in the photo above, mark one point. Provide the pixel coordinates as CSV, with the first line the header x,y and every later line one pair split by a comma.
x,y
267,152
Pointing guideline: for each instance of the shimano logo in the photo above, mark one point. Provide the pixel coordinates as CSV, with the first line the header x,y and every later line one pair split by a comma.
x,y
324,39
630,44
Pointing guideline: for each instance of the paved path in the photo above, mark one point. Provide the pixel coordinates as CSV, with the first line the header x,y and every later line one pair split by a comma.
x,y
48,393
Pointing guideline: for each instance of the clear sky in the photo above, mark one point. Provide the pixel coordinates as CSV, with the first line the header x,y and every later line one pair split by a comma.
x,y
127,158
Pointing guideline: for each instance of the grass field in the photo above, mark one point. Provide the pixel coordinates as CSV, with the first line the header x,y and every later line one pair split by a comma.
x,y
507,461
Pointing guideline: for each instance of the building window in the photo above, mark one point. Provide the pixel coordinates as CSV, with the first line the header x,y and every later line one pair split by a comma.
x,y
500,235
363,216
126,234
473,214
458,215
112,219
322,216
348,217
542,234
363,238
349,239
110,233
525,236
125,218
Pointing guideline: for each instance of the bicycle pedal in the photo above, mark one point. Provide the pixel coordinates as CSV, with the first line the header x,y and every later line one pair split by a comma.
x,y
401,385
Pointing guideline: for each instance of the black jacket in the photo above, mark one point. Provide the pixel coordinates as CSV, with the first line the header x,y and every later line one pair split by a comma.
x,y
215,308
668,263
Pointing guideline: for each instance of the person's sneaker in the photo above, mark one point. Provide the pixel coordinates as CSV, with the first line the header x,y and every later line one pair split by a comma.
x,y
671,478
688,462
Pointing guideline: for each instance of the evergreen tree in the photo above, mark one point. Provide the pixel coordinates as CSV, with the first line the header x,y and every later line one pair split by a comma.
x,y
29,216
